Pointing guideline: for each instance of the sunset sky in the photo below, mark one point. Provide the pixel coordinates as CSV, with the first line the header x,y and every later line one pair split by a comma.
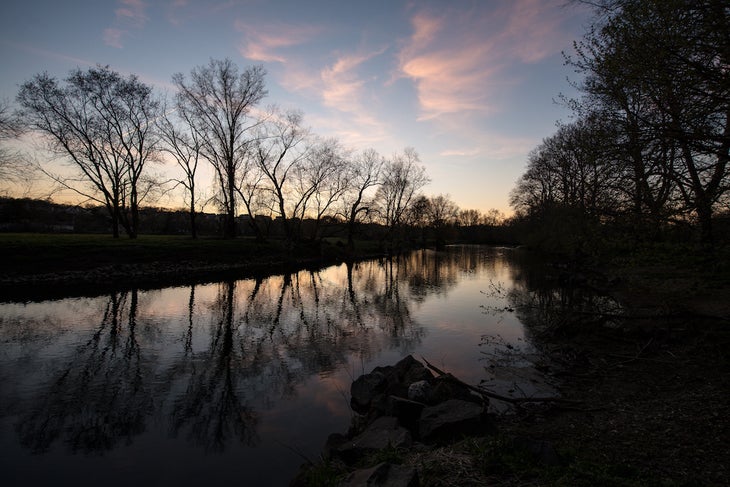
x,y
469,84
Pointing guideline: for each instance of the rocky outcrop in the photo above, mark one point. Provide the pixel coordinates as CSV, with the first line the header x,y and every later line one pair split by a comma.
x,y
399,407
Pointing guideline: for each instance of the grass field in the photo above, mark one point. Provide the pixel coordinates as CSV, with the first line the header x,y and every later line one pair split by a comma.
x,y
36,253
39,263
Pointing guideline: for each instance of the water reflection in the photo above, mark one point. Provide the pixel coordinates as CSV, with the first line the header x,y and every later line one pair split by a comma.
x,y
99,397
221,367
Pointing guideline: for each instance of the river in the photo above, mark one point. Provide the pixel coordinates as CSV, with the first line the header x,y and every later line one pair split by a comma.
x,y
237,382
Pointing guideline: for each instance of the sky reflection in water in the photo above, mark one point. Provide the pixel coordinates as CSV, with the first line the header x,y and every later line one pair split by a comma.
x,y
232,381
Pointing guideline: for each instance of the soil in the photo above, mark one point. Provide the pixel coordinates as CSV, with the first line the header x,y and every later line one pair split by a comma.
x,y
653,388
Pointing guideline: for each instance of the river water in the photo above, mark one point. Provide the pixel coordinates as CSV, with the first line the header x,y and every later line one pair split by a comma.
x,y
237,382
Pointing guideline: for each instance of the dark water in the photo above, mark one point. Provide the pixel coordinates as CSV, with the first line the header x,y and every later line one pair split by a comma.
x,y
233,383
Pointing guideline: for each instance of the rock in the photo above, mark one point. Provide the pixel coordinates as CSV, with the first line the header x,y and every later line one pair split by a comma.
x,y
408,412
419,391
372,390
452,420
383,475
445,389
334,441
383,433
410,370
366,388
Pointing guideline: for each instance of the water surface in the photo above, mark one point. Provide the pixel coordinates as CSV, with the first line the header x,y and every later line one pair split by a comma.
x,y
239,381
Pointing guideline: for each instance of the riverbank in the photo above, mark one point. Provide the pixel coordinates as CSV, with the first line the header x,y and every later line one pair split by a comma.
x,y
651,384
649,390
39,266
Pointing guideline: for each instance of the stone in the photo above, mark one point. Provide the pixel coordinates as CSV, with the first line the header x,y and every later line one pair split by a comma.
x,y
410,370
369,393
408,412
452,420
366,388
382,475
382,433
445,389
419,391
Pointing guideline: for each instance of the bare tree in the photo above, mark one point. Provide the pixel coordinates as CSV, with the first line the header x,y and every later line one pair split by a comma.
x,y
363,173
278,151
324,177
403,177
493,217
218,101
183,142
13,165
470,218
103,123
663,66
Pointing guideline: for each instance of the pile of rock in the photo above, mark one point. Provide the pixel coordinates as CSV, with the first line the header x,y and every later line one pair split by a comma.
x,y
404,406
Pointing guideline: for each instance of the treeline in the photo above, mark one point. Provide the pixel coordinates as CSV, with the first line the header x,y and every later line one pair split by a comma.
x,y
42,216
114,132
646,156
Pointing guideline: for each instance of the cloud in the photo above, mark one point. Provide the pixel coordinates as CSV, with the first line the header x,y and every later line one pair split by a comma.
x,y
51,54
461,152
342,84
268,43
459,58
132,11
113,37
129,15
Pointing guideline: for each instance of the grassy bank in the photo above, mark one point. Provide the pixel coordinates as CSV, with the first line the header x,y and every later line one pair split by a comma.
x,y
42,265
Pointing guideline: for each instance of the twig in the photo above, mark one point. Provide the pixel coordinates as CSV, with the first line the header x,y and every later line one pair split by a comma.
x,y
484,392
637,356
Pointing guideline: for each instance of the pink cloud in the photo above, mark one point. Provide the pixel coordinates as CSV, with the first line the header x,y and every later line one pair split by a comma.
x,y
269,42
342,84
131,14
113,37
132,11
458,58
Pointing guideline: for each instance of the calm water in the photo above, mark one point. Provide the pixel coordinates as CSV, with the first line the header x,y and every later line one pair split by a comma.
x,y
235,381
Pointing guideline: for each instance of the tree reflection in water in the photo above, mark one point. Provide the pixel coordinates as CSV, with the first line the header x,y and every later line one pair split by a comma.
x,y
99,398
212,358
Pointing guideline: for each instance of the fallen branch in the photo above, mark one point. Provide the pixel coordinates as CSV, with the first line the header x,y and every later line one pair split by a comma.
x,y
487,393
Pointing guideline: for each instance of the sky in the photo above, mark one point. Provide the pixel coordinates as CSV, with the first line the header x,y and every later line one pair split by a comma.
x,y
471,85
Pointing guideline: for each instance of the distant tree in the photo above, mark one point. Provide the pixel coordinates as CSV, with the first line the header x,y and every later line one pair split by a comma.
x,y
13,166
363,173
182,141
103,123
470,218
493,217
279,151
402,179
441,215
218,101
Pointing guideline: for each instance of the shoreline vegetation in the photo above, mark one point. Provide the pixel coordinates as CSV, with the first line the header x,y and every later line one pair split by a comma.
x,y
650,388
39,266
642,396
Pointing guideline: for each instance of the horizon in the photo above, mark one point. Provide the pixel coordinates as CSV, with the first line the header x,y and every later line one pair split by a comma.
x,y
470,85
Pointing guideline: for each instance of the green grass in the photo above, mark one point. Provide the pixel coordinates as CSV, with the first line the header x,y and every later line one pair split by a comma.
x,y
29,253
41,252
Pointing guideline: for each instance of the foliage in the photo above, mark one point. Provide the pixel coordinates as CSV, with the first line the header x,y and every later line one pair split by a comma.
x,y
649,149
